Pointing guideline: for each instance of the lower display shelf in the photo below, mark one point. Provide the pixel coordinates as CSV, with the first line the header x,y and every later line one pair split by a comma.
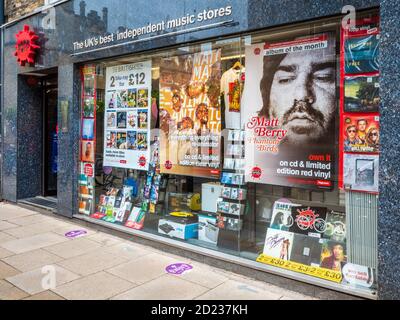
x,y
233,255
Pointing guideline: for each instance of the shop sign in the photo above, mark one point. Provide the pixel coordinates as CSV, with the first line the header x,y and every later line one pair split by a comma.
x,y
331,275
26,46
178,268
203,19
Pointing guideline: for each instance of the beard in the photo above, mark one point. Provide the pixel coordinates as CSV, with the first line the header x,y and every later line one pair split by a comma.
x,y
304,123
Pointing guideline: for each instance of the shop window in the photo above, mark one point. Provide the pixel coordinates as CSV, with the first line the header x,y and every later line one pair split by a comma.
x,y
263,146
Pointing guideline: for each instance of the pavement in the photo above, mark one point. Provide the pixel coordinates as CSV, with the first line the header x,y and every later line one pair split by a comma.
x,y
38,262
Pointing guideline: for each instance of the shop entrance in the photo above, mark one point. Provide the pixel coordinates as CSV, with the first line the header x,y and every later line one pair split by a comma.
x,y
50,136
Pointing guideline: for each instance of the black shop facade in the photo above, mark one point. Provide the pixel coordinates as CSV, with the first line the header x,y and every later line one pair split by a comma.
x,y
214,129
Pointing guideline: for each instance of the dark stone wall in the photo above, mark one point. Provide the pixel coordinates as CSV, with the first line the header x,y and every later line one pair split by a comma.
x,y
389,164
30,140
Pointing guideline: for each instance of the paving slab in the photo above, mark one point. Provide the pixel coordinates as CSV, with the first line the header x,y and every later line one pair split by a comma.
x,y
73,248
105,239
92,262
8,211
4,225
29,220
235,290
11,292
32,260
206,277
97,286
31,243
142,269
31,230
5,253
4,237
127,250
38,280
45,295
7,271
164,288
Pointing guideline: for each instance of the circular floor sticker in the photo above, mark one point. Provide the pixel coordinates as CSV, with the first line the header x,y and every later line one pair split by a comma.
x,y
178,268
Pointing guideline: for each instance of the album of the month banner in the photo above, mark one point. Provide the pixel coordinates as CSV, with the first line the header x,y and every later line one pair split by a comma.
x,y
290,131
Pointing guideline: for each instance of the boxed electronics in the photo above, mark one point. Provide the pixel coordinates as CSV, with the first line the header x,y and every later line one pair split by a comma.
x,y
179,227
210,193
208,229
183,202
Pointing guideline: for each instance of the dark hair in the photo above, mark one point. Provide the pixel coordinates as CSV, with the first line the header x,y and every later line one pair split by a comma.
x,y
351,126
270,66
278,218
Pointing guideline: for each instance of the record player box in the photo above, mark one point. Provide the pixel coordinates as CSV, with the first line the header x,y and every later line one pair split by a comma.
x,y
178,227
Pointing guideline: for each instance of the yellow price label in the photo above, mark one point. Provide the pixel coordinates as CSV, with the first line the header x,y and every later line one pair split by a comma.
x,y
318,272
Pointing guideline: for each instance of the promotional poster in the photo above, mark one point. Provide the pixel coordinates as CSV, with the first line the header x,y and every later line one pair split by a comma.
x,y
361,94
126,121
190,114
361,133
290,136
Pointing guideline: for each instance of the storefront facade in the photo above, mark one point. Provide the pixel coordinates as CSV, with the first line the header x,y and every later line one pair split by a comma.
x,y
258,130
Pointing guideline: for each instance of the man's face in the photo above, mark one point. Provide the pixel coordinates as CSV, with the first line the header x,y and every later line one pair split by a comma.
x,y
351,132
203,114
302,94
362,125
338,252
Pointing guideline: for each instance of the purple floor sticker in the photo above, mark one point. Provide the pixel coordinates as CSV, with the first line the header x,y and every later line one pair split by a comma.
x,y
75,233
178,268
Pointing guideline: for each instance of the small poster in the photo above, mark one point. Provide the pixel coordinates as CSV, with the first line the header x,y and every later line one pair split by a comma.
x,y
278,244
126,121
361,94
361,172
361,54
361,133
333,255
309,221
306,250
282,215
88,129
